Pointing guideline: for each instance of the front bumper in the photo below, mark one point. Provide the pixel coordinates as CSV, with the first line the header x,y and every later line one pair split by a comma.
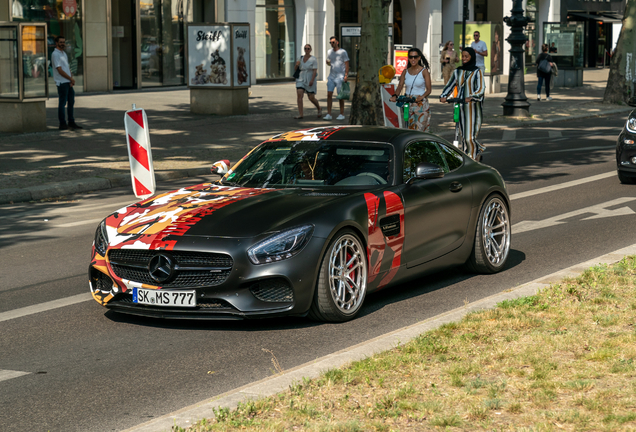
x,y
625,152
249,291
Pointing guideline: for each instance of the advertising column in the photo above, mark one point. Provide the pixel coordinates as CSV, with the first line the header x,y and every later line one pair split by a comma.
x,y
219,68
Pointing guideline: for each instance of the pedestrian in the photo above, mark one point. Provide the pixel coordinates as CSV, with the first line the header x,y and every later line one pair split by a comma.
x,y
469,81
306,82
544,72
481,50
64,82
417,80
338,59
449,58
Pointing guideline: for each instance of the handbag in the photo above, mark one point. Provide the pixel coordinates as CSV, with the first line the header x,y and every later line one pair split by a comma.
x,y
297,71
544,66
345,91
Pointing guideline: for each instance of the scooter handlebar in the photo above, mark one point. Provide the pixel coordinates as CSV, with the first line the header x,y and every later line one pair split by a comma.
x,y
455,100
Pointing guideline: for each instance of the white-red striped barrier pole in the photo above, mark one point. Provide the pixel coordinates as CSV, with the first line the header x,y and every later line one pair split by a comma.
x,y
138,138
392,117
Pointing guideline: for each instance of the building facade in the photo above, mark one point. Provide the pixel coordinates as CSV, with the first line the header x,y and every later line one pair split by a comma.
x,y
124,44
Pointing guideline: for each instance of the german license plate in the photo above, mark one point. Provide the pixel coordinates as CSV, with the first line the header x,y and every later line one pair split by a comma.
x,y
164,297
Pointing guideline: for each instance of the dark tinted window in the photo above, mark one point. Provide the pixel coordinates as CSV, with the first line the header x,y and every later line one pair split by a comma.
x,y
454,159
418,152
309,163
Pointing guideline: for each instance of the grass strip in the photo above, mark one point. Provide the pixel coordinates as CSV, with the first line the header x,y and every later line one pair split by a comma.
x,y
564,359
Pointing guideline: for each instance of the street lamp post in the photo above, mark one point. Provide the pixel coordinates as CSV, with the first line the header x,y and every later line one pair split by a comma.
x,y
516,102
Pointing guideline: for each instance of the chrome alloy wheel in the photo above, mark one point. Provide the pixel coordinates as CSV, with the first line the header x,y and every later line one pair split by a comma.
x,y
495,232
347,273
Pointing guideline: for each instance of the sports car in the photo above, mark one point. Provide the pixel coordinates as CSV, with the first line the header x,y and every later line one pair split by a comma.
x,y
306,224
626,150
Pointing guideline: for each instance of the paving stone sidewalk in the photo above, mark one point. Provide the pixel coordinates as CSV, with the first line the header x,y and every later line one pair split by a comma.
x,y
58,163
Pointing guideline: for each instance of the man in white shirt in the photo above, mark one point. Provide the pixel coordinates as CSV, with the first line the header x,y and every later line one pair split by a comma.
x,y
64,82
481,51
338,59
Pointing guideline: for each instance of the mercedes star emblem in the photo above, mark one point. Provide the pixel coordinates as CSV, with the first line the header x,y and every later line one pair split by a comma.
x,y
161,267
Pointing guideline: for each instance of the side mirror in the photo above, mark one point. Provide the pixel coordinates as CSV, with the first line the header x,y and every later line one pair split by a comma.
x,y
220,167
426,170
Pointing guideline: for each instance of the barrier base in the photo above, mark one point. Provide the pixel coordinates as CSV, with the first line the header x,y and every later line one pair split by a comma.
x,y
219,101
22,117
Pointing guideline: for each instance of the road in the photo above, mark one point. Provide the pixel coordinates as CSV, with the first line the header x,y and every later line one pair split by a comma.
x,y
74,366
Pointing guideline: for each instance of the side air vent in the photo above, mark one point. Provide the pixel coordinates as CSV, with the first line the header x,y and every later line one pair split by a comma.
x,y
390,225
273,290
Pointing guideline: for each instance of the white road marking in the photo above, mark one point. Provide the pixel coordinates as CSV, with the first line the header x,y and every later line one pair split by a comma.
x,y
73,224
8,374
554,134
509,135
599,211
43,307
605,147
562,185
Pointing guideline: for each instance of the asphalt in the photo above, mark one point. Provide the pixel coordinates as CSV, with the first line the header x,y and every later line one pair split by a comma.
x,y
54,163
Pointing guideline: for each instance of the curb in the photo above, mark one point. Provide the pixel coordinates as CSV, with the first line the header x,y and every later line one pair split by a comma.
x,y
54,190
59,189
278,383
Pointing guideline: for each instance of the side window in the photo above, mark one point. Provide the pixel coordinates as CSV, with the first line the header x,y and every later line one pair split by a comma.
x,y
454,159
418,152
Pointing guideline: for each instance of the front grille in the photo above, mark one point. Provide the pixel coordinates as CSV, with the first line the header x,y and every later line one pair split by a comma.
x,y
192,269
272,290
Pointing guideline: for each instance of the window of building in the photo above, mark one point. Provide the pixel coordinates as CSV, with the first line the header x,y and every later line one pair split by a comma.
x,y
275,39
162,43
62,19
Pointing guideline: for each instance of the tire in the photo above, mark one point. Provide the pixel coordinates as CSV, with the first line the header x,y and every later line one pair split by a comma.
x,y
625,179
492,237
340,292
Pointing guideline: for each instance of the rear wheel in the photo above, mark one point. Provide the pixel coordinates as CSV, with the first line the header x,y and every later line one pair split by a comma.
x,y
342,281
492,237
625,179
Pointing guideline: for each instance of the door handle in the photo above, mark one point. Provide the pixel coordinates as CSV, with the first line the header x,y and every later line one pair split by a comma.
x,y
455,187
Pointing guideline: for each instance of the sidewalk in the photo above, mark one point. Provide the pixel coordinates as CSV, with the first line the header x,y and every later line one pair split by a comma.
x,y
58,163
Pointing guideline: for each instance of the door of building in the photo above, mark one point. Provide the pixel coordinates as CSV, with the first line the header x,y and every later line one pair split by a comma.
x,y
124,34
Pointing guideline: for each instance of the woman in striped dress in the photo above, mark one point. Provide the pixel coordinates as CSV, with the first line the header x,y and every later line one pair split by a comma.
x,y
470,86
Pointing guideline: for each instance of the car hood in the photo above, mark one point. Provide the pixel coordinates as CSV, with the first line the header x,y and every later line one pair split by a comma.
x,y
211,210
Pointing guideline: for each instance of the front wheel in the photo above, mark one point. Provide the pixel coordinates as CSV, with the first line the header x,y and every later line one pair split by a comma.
x,y
625,179
492,237
342,281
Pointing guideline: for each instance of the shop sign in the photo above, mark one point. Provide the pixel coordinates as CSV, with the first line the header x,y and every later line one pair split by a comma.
x,y
69,7
209,55
401,58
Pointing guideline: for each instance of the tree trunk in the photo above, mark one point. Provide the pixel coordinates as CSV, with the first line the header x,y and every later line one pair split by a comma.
x,y
622,74
366,105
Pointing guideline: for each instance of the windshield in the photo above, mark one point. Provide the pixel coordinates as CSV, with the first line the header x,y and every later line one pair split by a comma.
x,y
313,164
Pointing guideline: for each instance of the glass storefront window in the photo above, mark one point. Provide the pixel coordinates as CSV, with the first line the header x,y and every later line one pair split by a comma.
x,y
9,63
63,18
34,67
565,42
531,33
275,39
162,43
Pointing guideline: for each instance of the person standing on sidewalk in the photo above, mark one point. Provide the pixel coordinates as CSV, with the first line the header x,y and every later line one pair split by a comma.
x,y
543,61
481,50
470,87
448,58
306,82
64,82
338,59
417,80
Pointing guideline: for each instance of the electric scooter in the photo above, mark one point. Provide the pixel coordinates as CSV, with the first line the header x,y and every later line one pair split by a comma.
x,y
403,102
458,132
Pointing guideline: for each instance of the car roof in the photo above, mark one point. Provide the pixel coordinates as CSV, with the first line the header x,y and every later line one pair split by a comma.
x,y
354,133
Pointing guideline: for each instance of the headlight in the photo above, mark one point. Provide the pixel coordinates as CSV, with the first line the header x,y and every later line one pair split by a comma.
x,y
281,246
101,238
631,124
